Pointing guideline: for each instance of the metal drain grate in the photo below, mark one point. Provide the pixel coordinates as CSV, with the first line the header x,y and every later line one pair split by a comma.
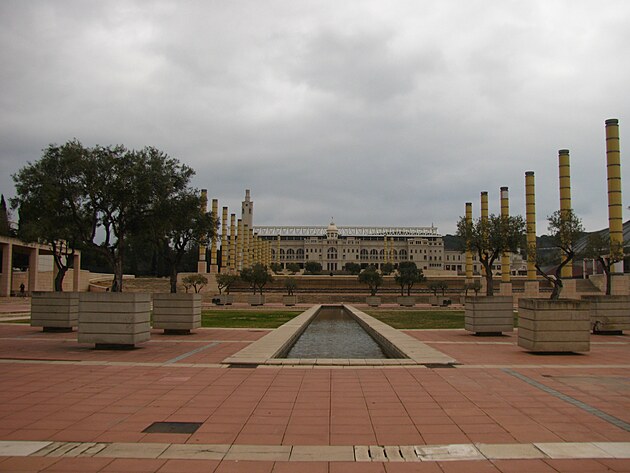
x,y
172,428
438,365
243,365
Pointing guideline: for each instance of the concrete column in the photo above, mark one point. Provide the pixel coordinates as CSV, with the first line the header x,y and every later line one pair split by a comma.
x,y
246,261
232,265
214,268
615,207
7,267
277,259
33,269
505,257
202,264
484,222
530,203
469,255
564,169
225,252
76,272
239,245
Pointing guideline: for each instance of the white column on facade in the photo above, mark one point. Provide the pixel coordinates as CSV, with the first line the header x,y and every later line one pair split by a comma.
x,y
7,265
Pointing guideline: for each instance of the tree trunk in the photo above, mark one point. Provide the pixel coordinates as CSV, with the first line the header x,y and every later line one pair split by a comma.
x,y
117,284
557,289
489,283
59,278
173,279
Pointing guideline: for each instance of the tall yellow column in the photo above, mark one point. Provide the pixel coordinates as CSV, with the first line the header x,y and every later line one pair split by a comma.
x,y
202,264
469,256
240,237
505,257
225,252
615,208
484,218
277,258
530,216
564,170
246,261
232,260
250,246
213,246
257,258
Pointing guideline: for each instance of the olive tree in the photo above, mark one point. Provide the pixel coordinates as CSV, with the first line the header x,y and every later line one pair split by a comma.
x,y
407,275
225,282
490,238
372,278
49,193
565,229
257,276
606,253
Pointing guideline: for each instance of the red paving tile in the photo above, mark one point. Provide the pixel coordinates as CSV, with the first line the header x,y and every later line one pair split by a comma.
x,y
395,406
133,465
189,466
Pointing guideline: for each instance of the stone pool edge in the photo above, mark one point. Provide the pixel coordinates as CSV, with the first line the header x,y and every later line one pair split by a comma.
x,y
264,351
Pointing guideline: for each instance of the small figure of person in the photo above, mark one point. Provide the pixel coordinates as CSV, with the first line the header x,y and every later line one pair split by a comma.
x,y
22,293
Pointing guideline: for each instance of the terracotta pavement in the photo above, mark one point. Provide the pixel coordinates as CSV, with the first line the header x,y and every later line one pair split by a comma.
x,y
54,390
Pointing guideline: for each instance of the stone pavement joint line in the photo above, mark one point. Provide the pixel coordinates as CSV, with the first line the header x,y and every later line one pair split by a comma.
x,y
582,405
328,453
190,353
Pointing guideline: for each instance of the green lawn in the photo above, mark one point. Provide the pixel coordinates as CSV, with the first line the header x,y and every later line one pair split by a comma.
x,y
246,318
421,319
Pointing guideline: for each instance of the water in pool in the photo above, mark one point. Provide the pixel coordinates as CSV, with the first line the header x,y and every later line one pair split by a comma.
x,y
335,334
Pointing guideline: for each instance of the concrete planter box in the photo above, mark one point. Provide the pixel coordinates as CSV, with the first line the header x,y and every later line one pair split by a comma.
x,y
223,299
55,311
406,301
609,314
373,301
114,319
176,313
289,300
554,326
489,315
442,301
256,299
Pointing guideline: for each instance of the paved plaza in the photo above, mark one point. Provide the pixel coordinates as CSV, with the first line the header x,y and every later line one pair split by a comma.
x,y
67,407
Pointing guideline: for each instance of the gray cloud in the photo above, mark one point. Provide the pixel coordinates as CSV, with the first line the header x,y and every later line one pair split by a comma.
x,y
368,112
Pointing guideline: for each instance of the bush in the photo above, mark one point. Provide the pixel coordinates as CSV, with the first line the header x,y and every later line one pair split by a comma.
x,y
313,267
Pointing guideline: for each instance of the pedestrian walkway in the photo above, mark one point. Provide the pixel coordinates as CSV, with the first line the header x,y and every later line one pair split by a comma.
x,y
172,406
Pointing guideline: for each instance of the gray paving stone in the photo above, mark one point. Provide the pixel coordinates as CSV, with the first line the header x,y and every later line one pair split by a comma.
x,y
322,453
572,450
616,449
20,448
195,451
449,452
133,450
259,452
503,451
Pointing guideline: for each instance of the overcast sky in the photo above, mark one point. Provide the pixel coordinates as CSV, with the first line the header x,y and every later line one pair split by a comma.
x,y
371,112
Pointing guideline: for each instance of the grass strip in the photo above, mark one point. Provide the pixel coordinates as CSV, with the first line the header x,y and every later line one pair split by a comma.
x,y
420,319
246,318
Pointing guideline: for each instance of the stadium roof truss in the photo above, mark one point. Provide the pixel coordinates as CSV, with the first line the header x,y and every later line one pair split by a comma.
x,y
313,231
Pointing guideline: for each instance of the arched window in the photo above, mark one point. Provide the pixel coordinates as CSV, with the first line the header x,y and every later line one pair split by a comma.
x,y
299,253
290,253
402,255
373,254
395,254
281,253
332,253
382,254
364,254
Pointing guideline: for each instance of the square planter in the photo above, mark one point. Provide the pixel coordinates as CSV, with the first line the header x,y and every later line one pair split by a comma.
x,y
441,301
406,301
289,300
55,311
373,301
489,315
223,299
554,326
114,320
609,314
176,313
256,299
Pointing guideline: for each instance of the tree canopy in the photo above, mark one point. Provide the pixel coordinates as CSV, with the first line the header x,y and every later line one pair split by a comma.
x,y
600,248
103,197
565,229
372,278
257,276
490,238
407,275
